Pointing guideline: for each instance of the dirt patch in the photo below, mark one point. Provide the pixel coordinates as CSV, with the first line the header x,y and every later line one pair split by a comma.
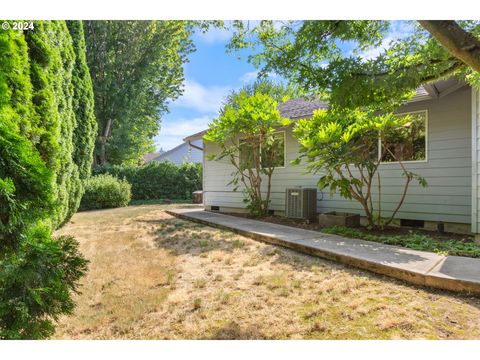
x,y
153,276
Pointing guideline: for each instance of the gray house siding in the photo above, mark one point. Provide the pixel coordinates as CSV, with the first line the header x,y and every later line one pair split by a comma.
x,y
475,167
447,170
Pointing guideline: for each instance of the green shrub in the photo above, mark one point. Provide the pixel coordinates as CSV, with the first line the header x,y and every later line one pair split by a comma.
x,y
35,284
105,191
158,180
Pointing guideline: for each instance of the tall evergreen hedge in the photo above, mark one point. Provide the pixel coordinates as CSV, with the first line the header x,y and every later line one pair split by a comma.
x,y
52,60
86,130
41,173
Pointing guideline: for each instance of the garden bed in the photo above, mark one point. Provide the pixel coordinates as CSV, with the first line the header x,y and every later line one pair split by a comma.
x,y
418,239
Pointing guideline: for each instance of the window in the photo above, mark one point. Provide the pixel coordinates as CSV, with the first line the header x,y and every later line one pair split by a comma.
x,y
246,154
273,157
408,143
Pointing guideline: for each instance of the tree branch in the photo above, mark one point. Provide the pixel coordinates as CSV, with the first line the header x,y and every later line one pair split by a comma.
x,y
460,43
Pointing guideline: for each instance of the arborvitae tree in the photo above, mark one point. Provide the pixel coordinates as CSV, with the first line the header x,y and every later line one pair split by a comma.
x,y
86,125
38,180
52,60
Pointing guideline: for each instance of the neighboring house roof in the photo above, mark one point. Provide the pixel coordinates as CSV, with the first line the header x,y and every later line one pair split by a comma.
x,y
182,153
148,157
298,108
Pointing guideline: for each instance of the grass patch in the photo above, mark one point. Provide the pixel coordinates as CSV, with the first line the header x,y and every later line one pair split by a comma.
x,y
197,303
200,283
412,240
148,280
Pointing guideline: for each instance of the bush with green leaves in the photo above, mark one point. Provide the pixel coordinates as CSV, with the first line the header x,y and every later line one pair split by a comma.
x,y
158,180
342,145
39,181
245,132
105,191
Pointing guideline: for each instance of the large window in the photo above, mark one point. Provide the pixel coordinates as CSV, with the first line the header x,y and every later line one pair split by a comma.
x,y
273,157
408,143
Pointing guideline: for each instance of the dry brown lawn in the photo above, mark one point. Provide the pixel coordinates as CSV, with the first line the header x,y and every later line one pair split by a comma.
x,y
152,276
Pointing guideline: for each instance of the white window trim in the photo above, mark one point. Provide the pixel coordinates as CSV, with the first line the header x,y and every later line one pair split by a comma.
x,y
284,149
426,141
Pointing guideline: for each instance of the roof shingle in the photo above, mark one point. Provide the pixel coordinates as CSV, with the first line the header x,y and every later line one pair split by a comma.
x,y
298,108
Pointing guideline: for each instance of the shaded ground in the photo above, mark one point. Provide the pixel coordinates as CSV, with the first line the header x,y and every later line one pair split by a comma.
x,y
155,276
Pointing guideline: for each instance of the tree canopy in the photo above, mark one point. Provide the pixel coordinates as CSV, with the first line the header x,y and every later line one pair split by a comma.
x,y
136,68
309,53
279,91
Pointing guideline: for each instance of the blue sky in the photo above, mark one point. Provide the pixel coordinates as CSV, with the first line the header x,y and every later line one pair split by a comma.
x,y
211,74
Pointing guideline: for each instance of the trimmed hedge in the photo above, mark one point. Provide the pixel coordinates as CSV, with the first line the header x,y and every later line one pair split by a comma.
x,y
158,180
105,191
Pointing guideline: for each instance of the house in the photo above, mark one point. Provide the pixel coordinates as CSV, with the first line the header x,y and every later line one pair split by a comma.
x,y
446,155
185,152
150,156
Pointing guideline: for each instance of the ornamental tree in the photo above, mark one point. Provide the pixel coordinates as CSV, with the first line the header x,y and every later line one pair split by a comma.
x,y
247,134
347,148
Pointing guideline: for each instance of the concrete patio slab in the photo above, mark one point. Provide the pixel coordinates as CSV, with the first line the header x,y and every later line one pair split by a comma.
x,y
455,273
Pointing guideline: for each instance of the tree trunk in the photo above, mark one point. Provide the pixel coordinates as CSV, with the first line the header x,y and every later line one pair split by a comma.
x,y
101,155
460,43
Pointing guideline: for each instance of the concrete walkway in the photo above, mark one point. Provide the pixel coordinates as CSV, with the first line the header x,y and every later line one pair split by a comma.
x,y
455,273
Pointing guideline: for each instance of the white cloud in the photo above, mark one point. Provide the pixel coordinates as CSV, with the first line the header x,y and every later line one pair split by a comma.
x,y
214,35
374,52
249,77
202,98
398,30
173,131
